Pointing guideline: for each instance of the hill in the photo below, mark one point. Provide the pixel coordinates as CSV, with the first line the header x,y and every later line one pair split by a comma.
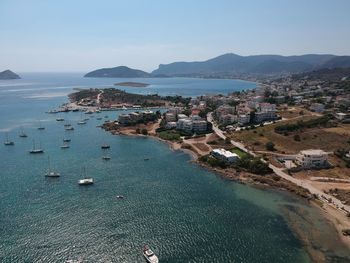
x,y
259,64
8,74
326,74
117,72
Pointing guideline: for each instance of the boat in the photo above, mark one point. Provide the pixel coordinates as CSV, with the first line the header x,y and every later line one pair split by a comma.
x,y
41,127
81,122
149,255
50,172
99,118
69,128
124,108
36,150
59,119
22,134
120,196
146,159
106,157
8,142
105,146
66,140
65,146
85,180
106,117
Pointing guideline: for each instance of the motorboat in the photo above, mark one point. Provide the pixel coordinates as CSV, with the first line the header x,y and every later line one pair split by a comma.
x,y
149,255
85,180
105,146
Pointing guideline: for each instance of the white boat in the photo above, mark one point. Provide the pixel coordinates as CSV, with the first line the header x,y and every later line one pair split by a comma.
x,y
22,134
106,157
85,180
120,196
50,172
81,122
149,255
105,146
36,150
65,146
66,140
70,128
40,126
8,142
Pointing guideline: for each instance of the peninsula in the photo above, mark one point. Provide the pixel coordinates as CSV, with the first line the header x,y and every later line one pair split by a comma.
x,y
8,74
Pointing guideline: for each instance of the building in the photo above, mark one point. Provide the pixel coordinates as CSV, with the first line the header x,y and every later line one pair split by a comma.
x,y
317,107
170,117
170,125
181,116
184,125
224,155
226,119
124,119
243,119
199,126
312,158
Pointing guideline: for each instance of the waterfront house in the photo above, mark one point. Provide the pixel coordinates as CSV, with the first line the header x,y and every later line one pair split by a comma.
x,y
312,159
224,155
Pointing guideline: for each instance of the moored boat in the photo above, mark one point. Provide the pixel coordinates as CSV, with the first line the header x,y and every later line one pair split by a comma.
x,y
8,142
50,172
149,255
85,180
36,150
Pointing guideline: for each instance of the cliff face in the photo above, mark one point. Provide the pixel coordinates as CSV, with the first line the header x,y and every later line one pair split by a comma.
x,y
117,72
8,74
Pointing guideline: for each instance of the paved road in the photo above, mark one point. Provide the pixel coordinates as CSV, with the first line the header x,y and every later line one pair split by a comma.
x,y
279,171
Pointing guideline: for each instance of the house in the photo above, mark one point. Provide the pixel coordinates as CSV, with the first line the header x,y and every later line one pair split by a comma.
x,y
181,116
184,124
170,117
243,119
170,125
312,159
317,107
225,155
124,119
199,126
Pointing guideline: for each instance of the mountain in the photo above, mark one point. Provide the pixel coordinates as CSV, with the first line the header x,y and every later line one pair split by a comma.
x,y
326,74
117,72
258,64
8,74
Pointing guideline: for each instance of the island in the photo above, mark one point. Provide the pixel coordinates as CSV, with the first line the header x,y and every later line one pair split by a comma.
x,y
117,72
8,74
132,84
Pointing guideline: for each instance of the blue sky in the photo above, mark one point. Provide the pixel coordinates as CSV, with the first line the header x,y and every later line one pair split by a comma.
x,y
81,35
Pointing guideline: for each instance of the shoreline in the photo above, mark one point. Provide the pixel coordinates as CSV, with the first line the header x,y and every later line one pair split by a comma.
x,y
329,215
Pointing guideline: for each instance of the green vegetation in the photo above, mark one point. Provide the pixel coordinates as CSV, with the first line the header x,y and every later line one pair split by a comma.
x,y
144,131
239,152
213,162
253,165
270,146
170,135
299,125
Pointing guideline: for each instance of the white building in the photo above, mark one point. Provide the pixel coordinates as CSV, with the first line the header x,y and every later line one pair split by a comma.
x,y
224,155
181,116
184,125
170,125
170,117
243,119
312,158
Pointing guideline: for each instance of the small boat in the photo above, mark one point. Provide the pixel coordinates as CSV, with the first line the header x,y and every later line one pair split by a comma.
x,y
85,180
106,157
70,128
8,142
66,140
120,196
22,134
149,255
146,159
50,172
81,122
124,108
99,118
59,119
106,117
75,110
105,146
36,150
89,112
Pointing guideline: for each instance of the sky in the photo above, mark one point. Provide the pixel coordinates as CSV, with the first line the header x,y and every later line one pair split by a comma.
x,y
82,35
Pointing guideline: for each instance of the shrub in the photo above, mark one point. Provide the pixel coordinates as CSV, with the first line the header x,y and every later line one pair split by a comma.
x,y
270,146
144,131
297,138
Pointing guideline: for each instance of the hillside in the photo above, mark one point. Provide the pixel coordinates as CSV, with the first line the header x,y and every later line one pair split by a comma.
x,y
117,72
326,74
259,64
8,74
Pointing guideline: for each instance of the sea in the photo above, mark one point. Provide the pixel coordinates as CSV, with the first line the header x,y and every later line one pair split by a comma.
x,y
182,211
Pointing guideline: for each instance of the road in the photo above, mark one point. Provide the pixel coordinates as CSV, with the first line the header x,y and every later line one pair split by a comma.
x,y
336,203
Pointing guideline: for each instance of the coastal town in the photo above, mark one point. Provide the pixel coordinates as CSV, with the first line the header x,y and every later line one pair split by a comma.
x,y
290,133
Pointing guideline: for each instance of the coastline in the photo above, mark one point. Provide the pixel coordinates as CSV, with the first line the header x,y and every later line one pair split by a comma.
x,y
332,219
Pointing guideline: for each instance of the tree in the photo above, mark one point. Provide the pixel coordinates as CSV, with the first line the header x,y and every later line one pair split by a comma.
x,y
144,131
297,137
270,146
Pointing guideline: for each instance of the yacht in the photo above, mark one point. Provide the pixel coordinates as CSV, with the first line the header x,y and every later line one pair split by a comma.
x,y
8,142
36,150
85,180
149,255
66,140
22,134
106,157
69,128
59,119
65,146
50,172
41,127
120,196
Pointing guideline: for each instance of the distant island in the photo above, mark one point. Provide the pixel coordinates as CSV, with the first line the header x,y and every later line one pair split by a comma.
x,y
132,84
117,72
8,74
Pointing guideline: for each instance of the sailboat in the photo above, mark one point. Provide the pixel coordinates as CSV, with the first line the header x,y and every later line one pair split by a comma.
x,y
40,126
81,122
66,140
8,142
50,172
35,150
106,157
85,180
65,145
22,134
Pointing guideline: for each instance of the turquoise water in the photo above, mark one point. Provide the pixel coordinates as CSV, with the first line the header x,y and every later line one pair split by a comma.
x,y
185,213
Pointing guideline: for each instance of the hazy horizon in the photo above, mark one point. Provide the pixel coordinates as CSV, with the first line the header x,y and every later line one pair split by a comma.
x,y
80,36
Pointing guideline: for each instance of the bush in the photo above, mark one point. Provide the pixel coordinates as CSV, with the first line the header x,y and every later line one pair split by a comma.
x,y
270,146
297,137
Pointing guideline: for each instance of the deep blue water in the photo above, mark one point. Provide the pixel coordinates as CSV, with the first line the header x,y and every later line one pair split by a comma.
x,y
185,213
